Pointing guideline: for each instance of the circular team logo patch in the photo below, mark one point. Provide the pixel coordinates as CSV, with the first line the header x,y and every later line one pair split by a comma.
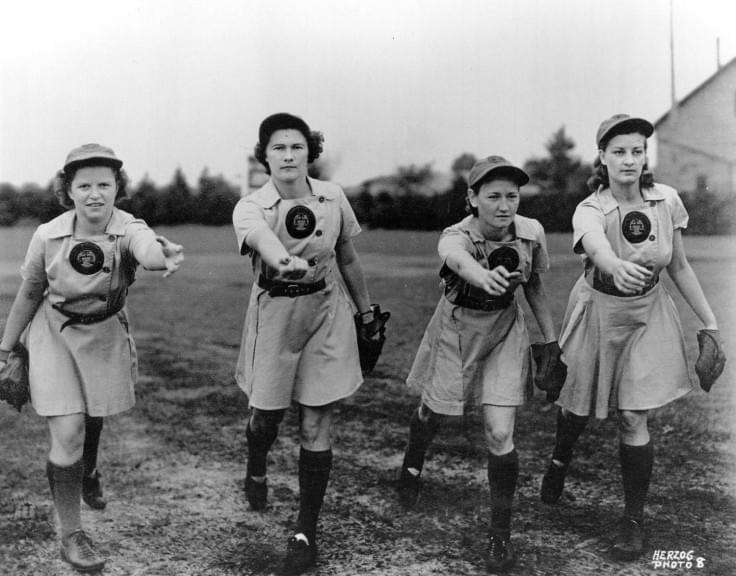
x,y
636,227
300,222
87,258
504,256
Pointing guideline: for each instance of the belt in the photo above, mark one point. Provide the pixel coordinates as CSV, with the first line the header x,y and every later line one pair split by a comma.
x,y
74,318
486,304
290,290
611,289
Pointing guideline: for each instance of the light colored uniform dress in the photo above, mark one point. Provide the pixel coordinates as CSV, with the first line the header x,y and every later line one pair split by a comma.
x,y
475,356
624,352
302,348
77,367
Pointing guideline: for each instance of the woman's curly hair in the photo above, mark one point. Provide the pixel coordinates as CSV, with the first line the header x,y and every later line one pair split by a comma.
x,y
284,121
600,176
64,178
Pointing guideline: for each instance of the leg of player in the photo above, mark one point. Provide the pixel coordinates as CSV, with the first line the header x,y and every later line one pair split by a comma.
x,y
503,472
423,426
91,484
315,464
64,470
569,428
637,459
260,432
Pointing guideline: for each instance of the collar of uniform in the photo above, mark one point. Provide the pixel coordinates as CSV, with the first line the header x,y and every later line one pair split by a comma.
x,y
609,203
523,228
267,196
63,225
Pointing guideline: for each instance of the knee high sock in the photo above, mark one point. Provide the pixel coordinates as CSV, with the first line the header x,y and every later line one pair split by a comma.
x,y
92,431
66,488
636,472
569,429
503,472
314,474
421,434
259,443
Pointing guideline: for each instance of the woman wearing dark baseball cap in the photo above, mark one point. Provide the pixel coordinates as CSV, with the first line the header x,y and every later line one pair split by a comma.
x,y
70,313
475,349
621,336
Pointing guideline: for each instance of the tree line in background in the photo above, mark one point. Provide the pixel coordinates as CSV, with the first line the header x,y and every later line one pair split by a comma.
x,y
405,200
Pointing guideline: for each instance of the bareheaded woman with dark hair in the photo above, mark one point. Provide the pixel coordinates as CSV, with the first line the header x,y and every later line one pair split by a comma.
x,y
299,341
621,335
476,349
70,313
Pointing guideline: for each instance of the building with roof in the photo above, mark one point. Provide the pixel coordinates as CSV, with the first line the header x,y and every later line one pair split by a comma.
x,y
696,139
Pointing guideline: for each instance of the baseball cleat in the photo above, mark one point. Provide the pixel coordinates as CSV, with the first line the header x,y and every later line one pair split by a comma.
x,y
629,541
552,483
300,556
256,493
77,549
92,491
500,556
408,487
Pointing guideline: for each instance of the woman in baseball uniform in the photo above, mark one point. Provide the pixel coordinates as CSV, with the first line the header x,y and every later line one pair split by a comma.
x,y
476,348
299,342
621,336
70,312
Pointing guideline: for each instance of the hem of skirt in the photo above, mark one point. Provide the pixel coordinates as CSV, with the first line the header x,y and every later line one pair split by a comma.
x,y
680,393
48,411
336,398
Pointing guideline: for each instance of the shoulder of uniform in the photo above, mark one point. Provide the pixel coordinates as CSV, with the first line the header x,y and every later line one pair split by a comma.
x,y
62,225
528,228
329,190
659,192
120,221
266,196
601,200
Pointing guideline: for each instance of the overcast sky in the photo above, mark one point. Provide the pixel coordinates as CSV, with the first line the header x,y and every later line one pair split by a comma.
x,y
171,83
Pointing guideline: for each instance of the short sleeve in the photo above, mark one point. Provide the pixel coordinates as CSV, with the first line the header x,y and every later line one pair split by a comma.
x,y
587,218
247,218
452,240
34,265
540,256
138,238
349,226
679,213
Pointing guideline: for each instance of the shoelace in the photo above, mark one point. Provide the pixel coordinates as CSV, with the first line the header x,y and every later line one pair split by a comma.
x,y
84,545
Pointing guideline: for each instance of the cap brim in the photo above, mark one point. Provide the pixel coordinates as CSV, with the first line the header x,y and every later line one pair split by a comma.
x,y
628,126
96,161
508,171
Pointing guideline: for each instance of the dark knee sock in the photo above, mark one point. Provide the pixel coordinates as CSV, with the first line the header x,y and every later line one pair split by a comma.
x,y
259,443
569,429
92,431
503,472
636,472
66,488
421,434
314,474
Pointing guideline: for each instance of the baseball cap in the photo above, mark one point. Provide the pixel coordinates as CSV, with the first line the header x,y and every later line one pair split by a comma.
x,y
622,124
87,152
485,167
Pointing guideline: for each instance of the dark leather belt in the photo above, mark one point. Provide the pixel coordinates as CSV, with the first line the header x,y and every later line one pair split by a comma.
x,y
75,318
611,289
485,304
290,290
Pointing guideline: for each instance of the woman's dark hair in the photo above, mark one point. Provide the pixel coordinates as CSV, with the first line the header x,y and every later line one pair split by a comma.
x,y
64,179
284,121
600,172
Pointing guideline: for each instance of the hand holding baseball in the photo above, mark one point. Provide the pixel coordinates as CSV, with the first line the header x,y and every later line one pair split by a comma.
x,y
173,255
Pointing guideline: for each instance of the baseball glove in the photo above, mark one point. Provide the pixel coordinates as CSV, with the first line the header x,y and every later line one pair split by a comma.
x,y
711,359
371,337
551,371
14,387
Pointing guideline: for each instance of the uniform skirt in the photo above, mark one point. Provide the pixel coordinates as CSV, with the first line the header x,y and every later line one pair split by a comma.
x,y
625,353
301,349
472,357
84,368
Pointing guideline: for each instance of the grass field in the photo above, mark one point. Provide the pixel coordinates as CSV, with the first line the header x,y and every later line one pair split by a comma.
x,y
172,467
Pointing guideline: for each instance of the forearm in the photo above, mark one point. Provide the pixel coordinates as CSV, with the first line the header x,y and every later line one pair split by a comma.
x,y
352,274
687,283
24,306
152,258
536,296
465,266
268,246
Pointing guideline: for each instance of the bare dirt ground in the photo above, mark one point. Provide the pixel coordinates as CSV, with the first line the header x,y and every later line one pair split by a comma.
x,y
173,466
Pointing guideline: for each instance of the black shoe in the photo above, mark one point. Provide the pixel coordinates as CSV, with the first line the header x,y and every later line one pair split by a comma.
x,y
501,555
408,486
92,491
256,493
78,550
553,483
300,556
629,541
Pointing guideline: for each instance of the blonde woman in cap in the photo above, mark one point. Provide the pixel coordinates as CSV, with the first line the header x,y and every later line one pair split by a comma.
x,y
621,336
299,340
70,312
476,348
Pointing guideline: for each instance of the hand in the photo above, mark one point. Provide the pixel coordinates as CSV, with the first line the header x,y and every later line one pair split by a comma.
x,y
497,281
173,255
630,278
2,364
291,268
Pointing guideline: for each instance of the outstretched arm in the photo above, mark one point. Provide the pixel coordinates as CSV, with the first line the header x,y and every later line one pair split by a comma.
x,y
161,255
495,281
